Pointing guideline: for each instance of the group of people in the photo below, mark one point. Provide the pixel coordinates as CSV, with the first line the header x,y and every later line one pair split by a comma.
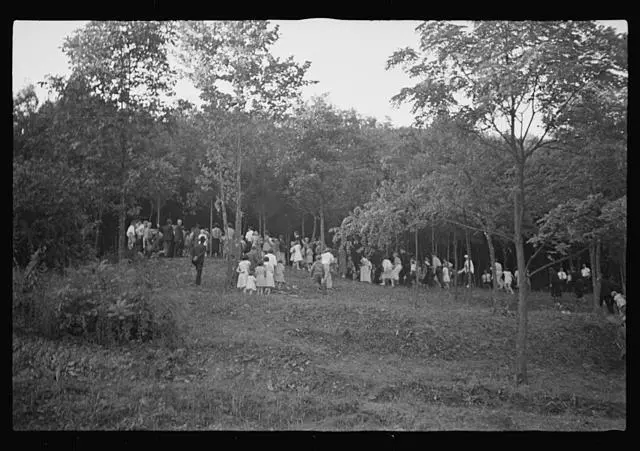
x,y
505,279
173,240
577,281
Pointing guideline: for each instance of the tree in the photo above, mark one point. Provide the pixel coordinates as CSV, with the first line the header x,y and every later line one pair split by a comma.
x,y
503,77
126,65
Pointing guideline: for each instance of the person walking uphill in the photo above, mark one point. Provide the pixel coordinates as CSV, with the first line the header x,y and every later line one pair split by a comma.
x,y
197,258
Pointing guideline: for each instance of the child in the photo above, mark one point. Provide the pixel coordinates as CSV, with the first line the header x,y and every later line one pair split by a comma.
x,y
395,273
387,268
486,279
365,270
413,270
261,279
508,279
308,254
269,270
279,274
296,254
243,272
250,287
446,276
317,272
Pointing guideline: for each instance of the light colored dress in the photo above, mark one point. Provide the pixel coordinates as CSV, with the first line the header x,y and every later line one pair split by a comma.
x,y
269,270
397,267
261,279
445,275
296,253
365,270
387,268
279,273
243,273
251,283
308,255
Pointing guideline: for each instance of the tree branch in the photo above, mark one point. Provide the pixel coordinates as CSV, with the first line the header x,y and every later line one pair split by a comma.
x,y
558,261
535,254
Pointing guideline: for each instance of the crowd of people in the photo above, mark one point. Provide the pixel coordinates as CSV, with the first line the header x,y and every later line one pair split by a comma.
x,y
264,257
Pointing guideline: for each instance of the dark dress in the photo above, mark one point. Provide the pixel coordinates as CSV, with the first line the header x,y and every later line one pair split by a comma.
x,y
197,259
578,285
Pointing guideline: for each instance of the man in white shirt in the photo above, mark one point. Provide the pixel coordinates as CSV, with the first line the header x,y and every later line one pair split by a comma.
x,y
563,279
327,259
249,235
131,235
508,279
586,272
216,234
468,270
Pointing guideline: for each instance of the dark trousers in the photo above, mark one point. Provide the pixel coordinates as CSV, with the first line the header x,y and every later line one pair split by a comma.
x,y
215,246
178,247
199,272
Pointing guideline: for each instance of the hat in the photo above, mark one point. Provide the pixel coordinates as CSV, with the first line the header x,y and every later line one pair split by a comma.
x,y
466,256
203,238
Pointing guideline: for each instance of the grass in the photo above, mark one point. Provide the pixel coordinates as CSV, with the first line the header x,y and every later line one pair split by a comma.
x,y
359,358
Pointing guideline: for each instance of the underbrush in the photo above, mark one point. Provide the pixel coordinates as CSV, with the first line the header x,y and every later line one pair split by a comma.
x,y
100,302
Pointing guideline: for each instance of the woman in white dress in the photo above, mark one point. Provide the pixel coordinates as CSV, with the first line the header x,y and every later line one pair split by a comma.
x,y
387,268
365,270
243,272
296,254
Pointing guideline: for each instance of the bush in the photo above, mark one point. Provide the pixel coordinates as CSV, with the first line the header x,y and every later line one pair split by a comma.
x,y
102,303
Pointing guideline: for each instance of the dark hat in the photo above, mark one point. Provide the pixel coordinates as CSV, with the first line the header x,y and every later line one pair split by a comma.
x,y
203,239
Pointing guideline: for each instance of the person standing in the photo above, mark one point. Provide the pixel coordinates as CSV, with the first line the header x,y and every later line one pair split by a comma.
x,y
387,269
296,254
585,272
365,270
317,273
446,277
131,235
282,249
243,272
167,238
562,276
437,269
327,260
508,280
197,258
178,239
499,280
140,236
216,235
342,261
261,277
269,268
279,274
405,272
468,271
356,253
249,235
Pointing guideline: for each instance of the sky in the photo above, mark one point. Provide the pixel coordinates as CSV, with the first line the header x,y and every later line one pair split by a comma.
x,y
347,57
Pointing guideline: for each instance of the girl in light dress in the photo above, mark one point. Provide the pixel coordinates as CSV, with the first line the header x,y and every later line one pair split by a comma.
x,y
279,274
395,273
296,254
269,270
308,254
243,272
251,284
261,277
446,276
365,270
387,268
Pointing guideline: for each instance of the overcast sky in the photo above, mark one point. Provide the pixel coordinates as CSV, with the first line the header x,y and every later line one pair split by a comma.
x,y
347,59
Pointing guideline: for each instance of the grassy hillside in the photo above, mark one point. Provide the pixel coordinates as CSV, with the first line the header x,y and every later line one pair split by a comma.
x,y
359,358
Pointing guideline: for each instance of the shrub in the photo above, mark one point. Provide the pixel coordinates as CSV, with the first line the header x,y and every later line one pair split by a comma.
x,y
100,302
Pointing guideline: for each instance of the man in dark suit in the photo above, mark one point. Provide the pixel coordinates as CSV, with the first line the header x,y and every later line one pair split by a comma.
x,y
197,258
167,238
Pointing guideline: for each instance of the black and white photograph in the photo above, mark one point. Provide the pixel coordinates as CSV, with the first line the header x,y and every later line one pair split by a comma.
x,y
319,224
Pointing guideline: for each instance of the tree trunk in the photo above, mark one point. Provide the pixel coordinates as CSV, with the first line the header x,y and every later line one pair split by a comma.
x,y
122,235
433,239
468,245
210,223
448,245
158,213
456,267
494,281
313,234
98,228
518,217
322,227
623,268
596,278
302,226
416,239
260,222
